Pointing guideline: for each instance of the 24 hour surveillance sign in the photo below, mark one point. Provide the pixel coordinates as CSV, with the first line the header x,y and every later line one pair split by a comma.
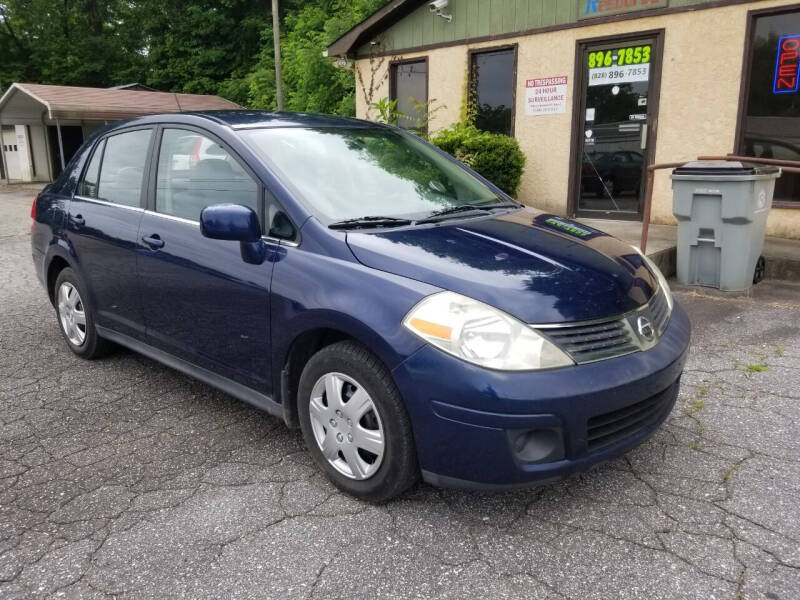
x,y
546,96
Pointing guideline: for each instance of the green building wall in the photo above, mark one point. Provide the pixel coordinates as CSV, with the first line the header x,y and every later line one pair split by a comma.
x,y
479,18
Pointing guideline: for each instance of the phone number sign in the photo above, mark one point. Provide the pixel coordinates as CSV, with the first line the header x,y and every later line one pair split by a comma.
x,y
615,75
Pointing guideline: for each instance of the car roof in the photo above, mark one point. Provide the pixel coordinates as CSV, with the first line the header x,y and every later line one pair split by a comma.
x,y
249,119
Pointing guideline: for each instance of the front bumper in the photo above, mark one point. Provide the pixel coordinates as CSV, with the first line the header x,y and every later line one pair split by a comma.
x,y
465,417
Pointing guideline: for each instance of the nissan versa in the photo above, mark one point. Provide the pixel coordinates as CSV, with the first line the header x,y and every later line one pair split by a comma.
x,y
411,318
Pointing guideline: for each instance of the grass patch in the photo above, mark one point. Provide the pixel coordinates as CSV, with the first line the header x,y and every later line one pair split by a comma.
x,y
729,472
780,351
695,407
756,368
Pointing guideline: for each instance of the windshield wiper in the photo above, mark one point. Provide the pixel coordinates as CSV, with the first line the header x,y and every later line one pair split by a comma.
x,y
369,221
441,215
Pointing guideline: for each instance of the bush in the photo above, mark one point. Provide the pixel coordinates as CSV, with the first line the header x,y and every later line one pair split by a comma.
x,y
495,156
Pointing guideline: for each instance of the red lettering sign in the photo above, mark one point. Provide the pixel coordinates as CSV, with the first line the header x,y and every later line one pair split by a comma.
x,y
787,65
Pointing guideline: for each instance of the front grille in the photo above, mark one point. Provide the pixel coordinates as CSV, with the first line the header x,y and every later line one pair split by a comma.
x,y
590,341
586,343
608,428
659,310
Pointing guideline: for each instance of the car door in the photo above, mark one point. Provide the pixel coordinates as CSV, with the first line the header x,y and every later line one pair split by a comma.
x,y
202,302
103,225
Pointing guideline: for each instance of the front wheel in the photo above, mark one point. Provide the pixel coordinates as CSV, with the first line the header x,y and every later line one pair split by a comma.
x,y
355,424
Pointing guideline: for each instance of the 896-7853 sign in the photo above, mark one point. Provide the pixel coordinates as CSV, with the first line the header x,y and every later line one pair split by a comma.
x,y
619,65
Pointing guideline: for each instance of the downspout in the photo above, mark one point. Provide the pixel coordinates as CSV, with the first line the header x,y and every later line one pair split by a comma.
x,y
3,154
31,155
47,148
60,145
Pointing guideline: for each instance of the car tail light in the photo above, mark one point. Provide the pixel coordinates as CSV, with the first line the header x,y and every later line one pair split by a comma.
x,y
33,210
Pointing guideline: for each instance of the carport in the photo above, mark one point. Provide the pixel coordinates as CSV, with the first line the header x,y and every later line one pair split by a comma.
x,y
41,126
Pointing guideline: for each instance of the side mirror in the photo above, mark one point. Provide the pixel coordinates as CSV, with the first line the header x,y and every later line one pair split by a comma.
x,y
232,222
236,223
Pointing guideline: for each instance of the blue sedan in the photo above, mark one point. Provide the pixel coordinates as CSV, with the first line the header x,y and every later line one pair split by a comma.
x,y
411,318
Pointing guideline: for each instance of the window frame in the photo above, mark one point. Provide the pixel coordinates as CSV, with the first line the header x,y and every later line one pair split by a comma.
x,y
102,140
263,194
100,146
393,79
472,53
744,85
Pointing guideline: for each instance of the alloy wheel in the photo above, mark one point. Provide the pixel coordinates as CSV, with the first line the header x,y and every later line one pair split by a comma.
x,y
71,313
347,426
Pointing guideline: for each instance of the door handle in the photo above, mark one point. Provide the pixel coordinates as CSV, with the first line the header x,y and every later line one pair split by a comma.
x,y
154,241
78,220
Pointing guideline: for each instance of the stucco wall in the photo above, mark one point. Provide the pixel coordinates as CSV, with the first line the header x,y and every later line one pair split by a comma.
x,y
699,98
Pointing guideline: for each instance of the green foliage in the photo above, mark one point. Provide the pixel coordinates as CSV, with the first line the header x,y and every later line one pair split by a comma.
x,y
417,122
387,111
79,42
495,156
312,82
197,46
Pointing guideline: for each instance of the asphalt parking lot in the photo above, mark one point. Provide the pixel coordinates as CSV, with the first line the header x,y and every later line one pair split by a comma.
x,y
122,478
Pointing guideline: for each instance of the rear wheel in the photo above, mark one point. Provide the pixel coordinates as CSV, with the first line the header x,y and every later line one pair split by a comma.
x,y
355,424
75,317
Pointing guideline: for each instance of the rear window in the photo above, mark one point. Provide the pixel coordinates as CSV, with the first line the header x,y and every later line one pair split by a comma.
x,y
122,169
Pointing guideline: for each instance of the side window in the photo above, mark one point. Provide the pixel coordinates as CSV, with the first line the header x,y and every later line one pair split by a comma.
x,y
279,226
123,167
194,172
88,187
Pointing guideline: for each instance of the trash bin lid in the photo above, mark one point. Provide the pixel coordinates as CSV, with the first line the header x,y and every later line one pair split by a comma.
x,y
726,168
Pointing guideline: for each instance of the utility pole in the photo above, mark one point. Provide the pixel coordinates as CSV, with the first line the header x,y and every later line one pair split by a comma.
x,y
276,42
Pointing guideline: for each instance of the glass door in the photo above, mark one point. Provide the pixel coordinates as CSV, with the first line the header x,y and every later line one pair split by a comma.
x,y
613,121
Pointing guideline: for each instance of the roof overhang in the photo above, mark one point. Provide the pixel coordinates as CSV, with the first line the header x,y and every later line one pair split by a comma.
x,y
26,103
373,25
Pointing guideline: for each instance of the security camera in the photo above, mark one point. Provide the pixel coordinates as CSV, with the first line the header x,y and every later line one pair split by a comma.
x,y
437,5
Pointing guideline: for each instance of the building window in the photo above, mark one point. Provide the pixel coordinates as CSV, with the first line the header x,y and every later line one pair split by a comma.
x,y
492,82
771,121
409,86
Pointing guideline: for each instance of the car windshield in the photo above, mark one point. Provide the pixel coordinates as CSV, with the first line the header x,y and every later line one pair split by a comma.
x,y
343,173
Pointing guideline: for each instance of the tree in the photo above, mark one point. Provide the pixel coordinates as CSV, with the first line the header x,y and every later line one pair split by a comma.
x,y
74,42
313,83
196,46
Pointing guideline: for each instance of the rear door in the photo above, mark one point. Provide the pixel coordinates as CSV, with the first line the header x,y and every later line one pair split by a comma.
x,y
102,226
201,301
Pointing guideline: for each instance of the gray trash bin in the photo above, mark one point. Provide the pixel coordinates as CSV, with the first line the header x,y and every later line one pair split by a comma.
x,y
722,209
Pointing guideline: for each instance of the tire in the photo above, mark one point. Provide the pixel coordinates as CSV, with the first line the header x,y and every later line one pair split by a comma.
x,y
349,432
760,271
75,317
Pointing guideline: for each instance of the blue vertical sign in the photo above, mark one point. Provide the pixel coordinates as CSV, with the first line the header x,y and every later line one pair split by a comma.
x,y
787,65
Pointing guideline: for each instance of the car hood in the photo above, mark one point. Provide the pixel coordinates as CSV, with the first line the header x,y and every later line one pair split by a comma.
x,y
541,268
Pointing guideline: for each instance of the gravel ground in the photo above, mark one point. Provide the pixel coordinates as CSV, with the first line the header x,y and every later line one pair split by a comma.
x,y
122,478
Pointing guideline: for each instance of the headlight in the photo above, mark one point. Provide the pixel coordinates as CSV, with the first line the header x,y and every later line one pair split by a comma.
x,y
481,334
662,281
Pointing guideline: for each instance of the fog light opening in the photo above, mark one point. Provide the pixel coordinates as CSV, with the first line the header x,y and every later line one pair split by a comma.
x,y
537,445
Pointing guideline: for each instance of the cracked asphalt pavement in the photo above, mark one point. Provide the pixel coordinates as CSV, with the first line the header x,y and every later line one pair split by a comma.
x,y
123,478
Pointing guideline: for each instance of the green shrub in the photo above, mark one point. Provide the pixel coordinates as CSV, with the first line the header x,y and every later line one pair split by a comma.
x,y
495,156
